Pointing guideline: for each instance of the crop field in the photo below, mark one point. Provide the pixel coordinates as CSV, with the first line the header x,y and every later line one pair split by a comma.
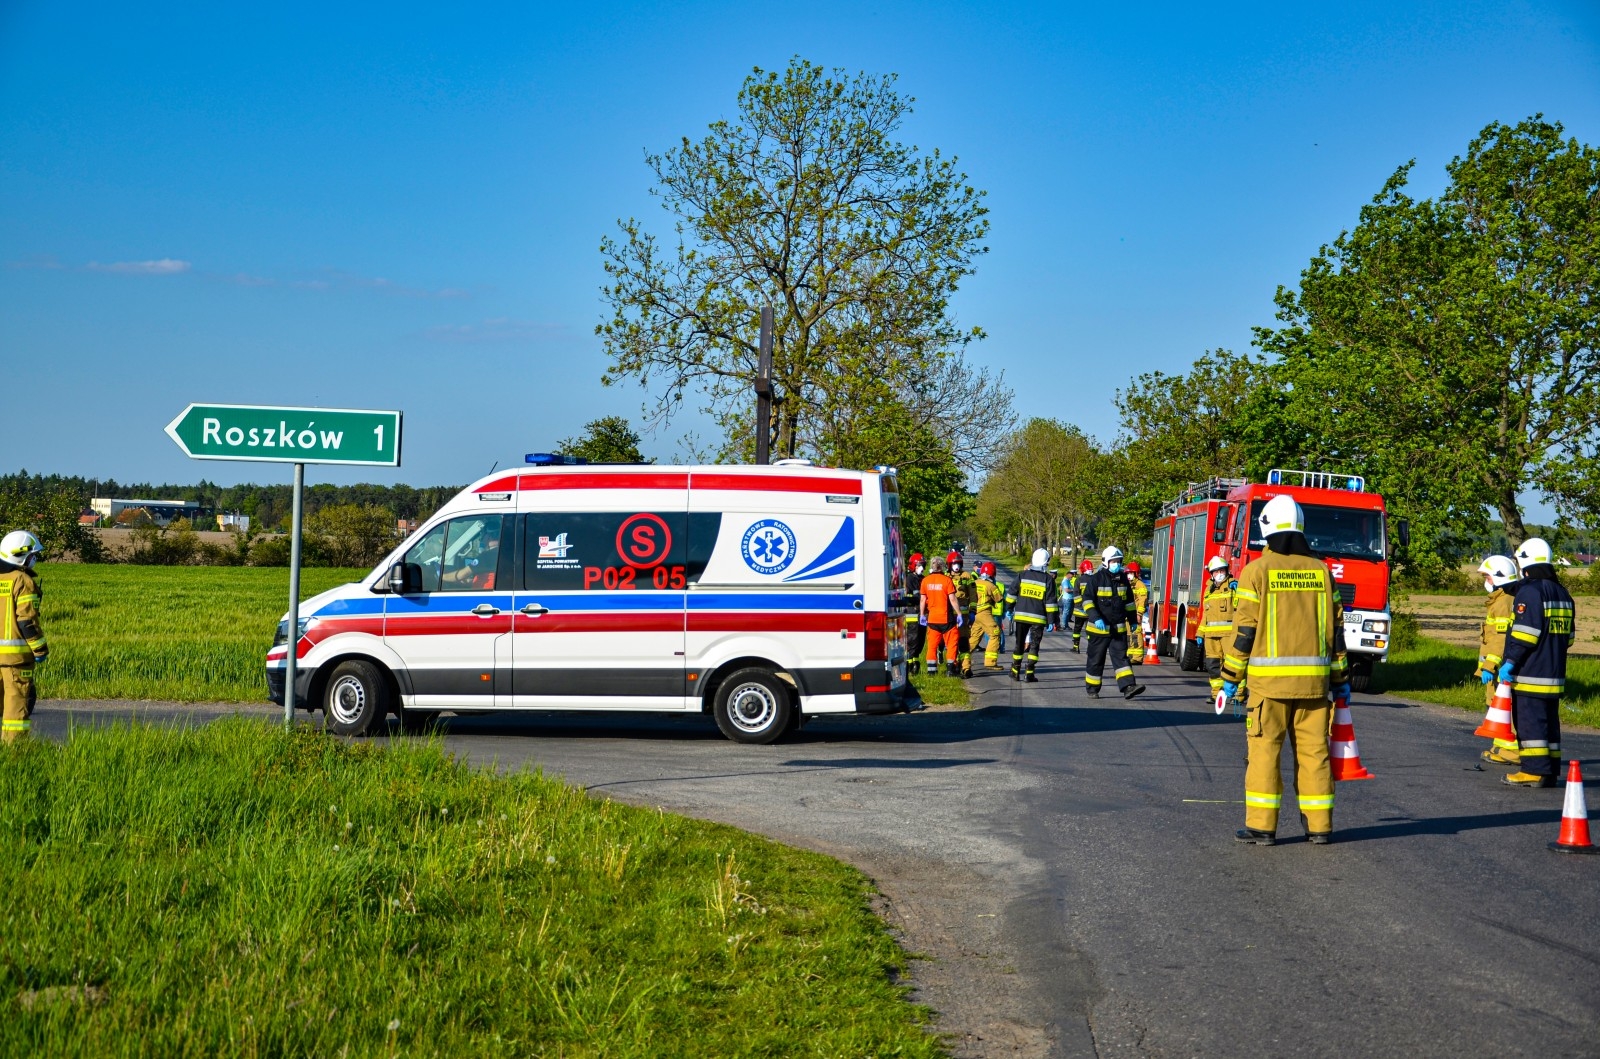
x,y
183,633
239,889
1436,671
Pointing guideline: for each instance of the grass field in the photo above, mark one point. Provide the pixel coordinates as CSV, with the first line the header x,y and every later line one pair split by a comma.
x,y
187,633
1436,671
235,889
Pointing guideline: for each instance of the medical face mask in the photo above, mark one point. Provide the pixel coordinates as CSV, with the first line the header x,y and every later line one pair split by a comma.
x,y
1114,567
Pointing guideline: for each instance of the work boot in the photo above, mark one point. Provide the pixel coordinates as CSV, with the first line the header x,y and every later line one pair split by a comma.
x,y
1527,779
1092,691
1501,756
1074,646
1016,674
933,669
1029,678
1133,690
1249,836
1316,838
951,670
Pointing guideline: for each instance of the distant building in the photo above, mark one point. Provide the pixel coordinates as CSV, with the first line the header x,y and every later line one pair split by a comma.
x,y
88,520
161,512
229,521
405,527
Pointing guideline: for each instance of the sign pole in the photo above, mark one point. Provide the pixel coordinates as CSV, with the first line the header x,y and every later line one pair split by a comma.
x,y
764,389
289,660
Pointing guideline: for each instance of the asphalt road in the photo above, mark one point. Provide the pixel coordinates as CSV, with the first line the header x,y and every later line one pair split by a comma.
x,y
1068,868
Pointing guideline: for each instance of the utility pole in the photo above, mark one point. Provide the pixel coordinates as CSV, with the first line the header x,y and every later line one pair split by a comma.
x,y
764,390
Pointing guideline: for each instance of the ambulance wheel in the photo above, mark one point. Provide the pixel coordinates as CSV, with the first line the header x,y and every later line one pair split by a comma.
x,y
753,706
356,699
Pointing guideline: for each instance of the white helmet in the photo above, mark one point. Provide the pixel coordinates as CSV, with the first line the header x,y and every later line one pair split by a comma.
x,y
1217,563
1499,571
20,548
1281,515
1112,553
1041,558
1534,551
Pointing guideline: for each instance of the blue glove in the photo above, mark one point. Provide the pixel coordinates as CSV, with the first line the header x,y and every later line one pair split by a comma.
x,y
1100,625
1485,676
1342,691
1505,672
41,656
958,621
922,621
1230,688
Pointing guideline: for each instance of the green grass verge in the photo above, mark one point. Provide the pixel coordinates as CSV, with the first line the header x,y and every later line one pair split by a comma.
x,y
189,633
940,690
235,889
1434,671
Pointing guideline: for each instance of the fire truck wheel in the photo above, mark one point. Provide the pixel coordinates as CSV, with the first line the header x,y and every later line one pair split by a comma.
x,y
356,699
753,706
1360,675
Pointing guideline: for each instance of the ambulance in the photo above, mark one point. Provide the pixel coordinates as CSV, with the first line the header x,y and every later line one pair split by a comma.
x,y
762,595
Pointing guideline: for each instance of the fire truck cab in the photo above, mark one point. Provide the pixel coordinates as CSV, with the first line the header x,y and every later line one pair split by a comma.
x,y
1345,525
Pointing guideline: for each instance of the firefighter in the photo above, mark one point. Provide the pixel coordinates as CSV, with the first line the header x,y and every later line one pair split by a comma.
x,y
1535,665
967,592
1216,618
986,596
1499,580
1289,636
1033,604
22,644
999,611
1067,588
916,634
939,610
1079,620
1141,597
1108,607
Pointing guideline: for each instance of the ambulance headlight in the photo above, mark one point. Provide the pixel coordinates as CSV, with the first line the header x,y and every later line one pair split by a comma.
x,y
281,637
1375,626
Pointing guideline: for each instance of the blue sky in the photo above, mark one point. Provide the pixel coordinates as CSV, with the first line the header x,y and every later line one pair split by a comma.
x,y
400,205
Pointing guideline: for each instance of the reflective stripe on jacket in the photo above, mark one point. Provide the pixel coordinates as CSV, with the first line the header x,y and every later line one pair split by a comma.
x,y
1108,597
1496,623
21,635
1288,629
1032,597
1216,619
1542,625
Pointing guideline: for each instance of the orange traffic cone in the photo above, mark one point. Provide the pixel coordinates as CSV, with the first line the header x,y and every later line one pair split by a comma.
x,y
1574,817
1342,745
1150,656
1497,721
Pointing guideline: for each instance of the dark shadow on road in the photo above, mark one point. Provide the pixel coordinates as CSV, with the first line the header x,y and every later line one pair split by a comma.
x,y
1443,825
889,762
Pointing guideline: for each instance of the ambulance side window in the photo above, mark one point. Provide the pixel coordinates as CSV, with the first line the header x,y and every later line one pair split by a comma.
x,y
427,553
471,559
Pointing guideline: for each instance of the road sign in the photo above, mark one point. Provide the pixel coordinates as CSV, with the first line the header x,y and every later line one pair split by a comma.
x,y
269,434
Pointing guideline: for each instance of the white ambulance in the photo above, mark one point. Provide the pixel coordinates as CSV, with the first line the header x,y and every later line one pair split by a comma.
x,y
760,595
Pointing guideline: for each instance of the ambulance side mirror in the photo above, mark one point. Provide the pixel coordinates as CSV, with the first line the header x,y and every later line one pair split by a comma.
x,y
1402,529
405,579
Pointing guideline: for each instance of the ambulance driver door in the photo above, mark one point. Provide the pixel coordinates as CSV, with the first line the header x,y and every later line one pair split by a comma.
x,y
599,615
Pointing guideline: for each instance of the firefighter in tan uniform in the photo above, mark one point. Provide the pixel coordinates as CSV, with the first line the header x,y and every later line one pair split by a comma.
x,y
1289,637
987,598
1216,619
22,643
1499,580
1141,600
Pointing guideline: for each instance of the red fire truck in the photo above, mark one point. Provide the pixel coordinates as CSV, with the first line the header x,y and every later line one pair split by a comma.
x,y
1344,525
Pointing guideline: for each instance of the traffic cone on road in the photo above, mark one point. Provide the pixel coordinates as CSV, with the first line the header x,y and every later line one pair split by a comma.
x,y
1574,837
1497,721
1151,658
1342,745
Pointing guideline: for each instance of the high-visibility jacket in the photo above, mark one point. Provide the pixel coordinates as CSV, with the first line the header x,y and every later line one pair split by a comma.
x,y
1107,597
1541,631
1141,596
1288,629
1216,617
1032,597
991,596
1497,622
939,602
967,591
21,635
913,588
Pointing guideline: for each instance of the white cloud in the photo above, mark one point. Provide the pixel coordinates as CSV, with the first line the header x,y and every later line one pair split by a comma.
x,y
165,266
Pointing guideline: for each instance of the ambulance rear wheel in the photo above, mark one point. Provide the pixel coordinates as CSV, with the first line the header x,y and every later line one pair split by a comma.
x,y
356,699
753,706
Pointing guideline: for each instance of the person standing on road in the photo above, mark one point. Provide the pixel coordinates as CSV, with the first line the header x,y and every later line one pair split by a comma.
x,y
1033,606
1289,637
1079,619
986,596
22,642
940,612
916,634
1216,618
1141,597
967,592
1499,580
1535,665
1108,608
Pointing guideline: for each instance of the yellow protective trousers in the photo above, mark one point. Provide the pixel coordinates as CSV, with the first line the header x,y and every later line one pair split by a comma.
x,y
19,694
982,624
1305,723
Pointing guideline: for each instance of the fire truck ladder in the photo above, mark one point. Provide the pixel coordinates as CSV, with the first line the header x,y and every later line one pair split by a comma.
x,y
1210,489
1350,483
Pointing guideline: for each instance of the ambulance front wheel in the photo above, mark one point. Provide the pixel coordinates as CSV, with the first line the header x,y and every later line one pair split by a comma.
x,y
753,706
356,699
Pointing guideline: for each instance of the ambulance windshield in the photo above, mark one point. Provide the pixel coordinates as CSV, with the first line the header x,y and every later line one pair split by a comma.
x,y
1333,532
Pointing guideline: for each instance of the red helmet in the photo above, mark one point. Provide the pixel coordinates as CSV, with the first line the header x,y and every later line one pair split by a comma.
x,y
986,570
953,560
1133,566
1086,567
916,558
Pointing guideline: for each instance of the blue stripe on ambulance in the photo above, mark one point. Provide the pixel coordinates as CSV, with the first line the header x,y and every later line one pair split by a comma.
x,y
843,544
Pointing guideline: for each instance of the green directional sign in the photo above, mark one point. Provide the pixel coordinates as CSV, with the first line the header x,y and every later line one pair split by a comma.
x,y
269,434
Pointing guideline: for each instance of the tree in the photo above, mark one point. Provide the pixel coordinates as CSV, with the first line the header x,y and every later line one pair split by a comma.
x,y
52,517
351,534
608,439
1448,348
806,202
1040,487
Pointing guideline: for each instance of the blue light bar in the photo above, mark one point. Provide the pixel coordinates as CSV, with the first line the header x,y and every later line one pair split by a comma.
x,y
549,459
